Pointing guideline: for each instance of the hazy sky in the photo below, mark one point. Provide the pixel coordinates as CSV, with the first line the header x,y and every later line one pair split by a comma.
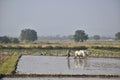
x,y
63,17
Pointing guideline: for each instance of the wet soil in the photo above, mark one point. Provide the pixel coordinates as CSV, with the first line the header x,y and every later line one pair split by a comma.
x,y
29,64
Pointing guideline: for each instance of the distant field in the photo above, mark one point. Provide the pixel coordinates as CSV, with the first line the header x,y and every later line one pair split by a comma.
x,y
96,49
59,44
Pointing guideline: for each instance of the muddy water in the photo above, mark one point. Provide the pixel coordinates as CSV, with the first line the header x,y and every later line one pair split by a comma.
x,y
61,65
60,79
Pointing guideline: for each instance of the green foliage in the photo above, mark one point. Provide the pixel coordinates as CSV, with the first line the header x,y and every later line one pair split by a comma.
x,y
14,40
113,48
80,35
6,39
96,37
28,35
104,53
117,36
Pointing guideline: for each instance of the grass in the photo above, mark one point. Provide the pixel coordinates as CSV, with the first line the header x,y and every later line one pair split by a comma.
x,y
97,49
60,44
104,53
9,65
3,58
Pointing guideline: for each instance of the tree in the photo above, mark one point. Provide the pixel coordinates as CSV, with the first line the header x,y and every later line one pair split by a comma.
x,y
14,40
117,36
4,39
96,37
28,35
80,35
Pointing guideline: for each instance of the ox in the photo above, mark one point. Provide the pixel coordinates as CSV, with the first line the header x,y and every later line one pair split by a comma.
x,y
81,54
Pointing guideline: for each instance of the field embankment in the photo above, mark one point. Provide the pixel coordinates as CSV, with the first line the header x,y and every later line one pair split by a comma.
x,y
58,45
3,58
96,49
59,76
9,66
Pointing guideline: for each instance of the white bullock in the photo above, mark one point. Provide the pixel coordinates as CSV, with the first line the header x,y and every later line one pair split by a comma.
x,y
81,54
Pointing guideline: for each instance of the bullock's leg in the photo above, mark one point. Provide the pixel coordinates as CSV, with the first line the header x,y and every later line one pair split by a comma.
x,y
75,57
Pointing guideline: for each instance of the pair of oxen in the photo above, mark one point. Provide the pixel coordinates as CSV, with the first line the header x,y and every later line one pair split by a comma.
x,y
79,53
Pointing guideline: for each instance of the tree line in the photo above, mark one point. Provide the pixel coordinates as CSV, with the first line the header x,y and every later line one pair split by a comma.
x,y
5,39
30,35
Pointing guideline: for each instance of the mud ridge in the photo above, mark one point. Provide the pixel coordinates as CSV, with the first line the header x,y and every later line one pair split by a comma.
x,y
59,75
13,72
103,57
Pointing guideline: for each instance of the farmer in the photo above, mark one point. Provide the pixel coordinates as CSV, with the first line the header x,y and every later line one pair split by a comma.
x,y
68,53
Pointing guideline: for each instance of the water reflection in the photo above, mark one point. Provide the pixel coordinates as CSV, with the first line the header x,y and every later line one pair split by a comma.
x,y
61,65
78,63
68,62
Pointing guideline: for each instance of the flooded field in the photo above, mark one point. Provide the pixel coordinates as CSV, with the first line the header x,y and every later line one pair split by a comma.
x,y
61,65
29,64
